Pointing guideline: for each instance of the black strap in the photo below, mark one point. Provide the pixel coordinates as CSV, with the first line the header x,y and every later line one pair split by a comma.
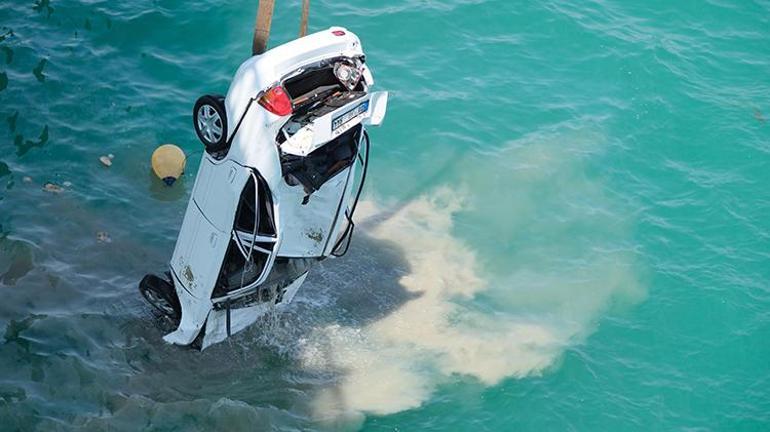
x,y
227,309
348,235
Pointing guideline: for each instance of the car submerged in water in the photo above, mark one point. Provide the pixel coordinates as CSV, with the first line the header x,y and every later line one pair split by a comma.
x,y
286,158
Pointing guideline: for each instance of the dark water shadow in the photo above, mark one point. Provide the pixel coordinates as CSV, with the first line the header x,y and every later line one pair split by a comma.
x,y
355,290
260,365
16,260
364,285
123,368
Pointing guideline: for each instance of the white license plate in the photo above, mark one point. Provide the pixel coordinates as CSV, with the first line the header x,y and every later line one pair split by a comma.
x,y
344,118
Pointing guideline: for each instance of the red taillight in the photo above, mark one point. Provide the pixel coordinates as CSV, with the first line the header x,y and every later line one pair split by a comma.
x,y
338,33
277,101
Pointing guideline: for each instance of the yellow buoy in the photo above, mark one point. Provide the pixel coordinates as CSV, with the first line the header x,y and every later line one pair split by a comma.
x,y
168,163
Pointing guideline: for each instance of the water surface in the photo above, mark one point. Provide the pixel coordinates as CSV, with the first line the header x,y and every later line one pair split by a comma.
x,y
565,228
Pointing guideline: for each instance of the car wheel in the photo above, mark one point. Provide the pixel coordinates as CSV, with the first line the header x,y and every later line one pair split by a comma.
x,y
161,295
210,120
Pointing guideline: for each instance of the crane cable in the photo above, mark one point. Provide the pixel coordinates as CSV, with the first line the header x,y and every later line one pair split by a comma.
x,y
265,21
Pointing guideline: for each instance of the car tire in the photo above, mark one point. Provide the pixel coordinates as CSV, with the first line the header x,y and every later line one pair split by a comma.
x,y
161,295
210,122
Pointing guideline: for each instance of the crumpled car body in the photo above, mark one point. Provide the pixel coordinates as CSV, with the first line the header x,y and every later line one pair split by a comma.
x,y
285,162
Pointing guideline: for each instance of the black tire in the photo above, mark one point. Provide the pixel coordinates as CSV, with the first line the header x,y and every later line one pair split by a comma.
x,y
161,295
210,122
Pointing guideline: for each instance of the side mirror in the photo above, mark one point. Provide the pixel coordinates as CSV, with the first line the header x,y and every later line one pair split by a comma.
x,y
378,105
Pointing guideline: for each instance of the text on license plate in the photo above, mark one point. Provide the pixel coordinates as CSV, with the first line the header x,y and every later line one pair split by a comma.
x,y
347,116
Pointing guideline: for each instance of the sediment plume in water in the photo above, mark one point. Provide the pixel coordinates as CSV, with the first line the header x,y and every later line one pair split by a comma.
x,y
485,321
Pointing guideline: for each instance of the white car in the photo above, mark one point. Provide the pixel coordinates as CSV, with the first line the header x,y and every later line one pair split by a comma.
x,y
286,159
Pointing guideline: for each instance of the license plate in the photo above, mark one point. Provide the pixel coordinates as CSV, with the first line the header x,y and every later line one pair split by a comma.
x,y
344,118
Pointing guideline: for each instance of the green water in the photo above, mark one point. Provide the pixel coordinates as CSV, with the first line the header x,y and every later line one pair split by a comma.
x,y
565,228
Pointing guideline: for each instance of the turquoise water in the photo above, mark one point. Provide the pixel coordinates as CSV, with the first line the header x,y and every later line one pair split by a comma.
x,y
566,224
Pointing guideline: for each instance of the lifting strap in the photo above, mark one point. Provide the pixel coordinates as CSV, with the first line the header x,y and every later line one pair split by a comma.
x,y
262,26
303,21
265,21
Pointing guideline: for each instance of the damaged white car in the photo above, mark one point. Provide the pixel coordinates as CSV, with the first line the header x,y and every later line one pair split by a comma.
x,y
285,162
